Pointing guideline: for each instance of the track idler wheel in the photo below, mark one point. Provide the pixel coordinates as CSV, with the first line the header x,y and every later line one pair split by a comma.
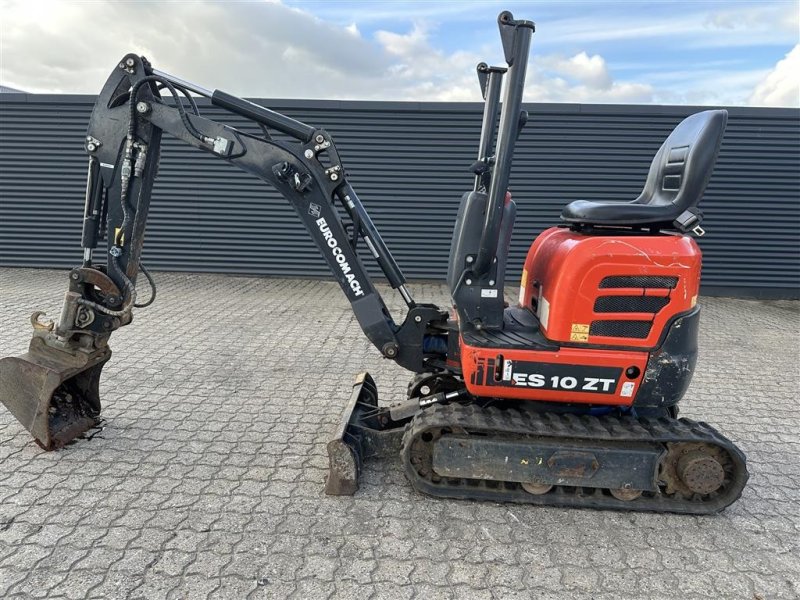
x,y
701,473
695,468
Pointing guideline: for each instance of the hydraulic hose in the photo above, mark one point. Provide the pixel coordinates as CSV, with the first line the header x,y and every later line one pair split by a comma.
x,y
129,293
152,284
129,288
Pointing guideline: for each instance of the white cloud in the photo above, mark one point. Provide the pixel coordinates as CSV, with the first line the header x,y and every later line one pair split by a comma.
x,y
421,71
251,49
255,49
738,26
781,86
713,85
581,78
589,70
408,45
268,50
428,73
783,17
559,90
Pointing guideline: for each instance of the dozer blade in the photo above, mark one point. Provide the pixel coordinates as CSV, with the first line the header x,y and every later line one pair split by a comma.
x,y
54,394
364,431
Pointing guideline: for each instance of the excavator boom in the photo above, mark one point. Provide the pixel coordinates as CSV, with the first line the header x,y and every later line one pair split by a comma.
x,y
53,389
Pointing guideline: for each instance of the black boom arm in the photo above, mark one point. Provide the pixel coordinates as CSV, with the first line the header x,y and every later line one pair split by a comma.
x,y
123,141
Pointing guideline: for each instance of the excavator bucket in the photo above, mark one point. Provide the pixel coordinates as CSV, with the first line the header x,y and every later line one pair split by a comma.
x,y
364,431
54,394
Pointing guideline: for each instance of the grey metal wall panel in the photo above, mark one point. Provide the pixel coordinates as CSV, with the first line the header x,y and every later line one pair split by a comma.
x,y
408,162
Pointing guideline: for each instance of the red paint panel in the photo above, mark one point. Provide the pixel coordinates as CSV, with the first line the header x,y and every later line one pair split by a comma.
x,y
481,365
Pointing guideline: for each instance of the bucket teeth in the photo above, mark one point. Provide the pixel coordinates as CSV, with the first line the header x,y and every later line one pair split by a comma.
x,y
54,394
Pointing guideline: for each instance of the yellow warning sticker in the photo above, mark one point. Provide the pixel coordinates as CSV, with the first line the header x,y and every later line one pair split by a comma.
x,y
524,281
694,300
580,332
119,237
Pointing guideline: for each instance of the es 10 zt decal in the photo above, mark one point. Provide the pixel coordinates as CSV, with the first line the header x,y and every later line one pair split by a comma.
x,y
552,376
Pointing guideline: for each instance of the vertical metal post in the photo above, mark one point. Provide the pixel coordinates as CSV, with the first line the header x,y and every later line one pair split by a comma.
x,y
516,37
491,94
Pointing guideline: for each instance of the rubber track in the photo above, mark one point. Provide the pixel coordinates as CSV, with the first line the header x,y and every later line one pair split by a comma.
x,y
515,422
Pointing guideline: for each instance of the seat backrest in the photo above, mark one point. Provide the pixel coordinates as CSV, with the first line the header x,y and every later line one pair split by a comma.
x,y
682,166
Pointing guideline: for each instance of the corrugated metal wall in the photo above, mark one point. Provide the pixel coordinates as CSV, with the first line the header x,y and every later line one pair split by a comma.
x,y
408,162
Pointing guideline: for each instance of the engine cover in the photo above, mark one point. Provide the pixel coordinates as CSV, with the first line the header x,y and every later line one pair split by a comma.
x,y
612,289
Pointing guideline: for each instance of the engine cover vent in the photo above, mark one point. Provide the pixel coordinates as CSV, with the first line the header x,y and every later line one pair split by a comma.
x,y
630,304
639,281
623,329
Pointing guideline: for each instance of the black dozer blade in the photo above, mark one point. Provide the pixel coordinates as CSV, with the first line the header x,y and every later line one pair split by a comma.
x,y
364,431
55,394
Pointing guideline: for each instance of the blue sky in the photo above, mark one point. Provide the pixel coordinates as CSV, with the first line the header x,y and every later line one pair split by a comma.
x,y
667,52
688,51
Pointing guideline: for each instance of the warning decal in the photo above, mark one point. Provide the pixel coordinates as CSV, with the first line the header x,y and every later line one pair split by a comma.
x,y
580,332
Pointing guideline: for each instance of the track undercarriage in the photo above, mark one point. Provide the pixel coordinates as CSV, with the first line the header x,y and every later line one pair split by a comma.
x,y
516,452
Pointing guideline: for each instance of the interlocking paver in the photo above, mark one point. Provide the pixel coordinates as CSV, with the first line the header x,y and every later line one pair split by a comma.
x,y
206,481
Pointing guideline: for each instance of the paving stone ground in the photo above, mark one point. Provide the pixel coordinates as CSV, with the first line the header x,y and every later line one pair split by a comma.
x,y
207,478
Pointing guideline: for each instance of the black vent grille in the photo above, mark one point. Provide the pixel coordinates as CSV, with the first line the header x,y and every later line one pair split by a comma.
x,y
622,329
636,304
665,282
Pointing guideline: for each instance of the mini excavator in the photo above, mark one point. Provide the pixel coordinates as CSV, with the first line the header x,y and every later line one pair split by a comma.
x,y
567,398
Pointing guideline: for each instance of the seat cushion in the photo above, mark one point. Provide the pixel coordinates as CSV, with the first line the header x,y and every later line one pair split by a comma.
x,y
617,213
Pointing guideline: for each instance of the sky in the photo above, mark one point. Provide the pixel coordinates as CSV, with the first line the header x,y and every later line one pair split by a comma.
x,y
725,53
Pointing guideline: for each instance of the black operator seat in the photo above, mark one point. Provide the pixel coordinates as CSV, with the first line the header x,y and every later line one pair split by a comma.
x,y
675,184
